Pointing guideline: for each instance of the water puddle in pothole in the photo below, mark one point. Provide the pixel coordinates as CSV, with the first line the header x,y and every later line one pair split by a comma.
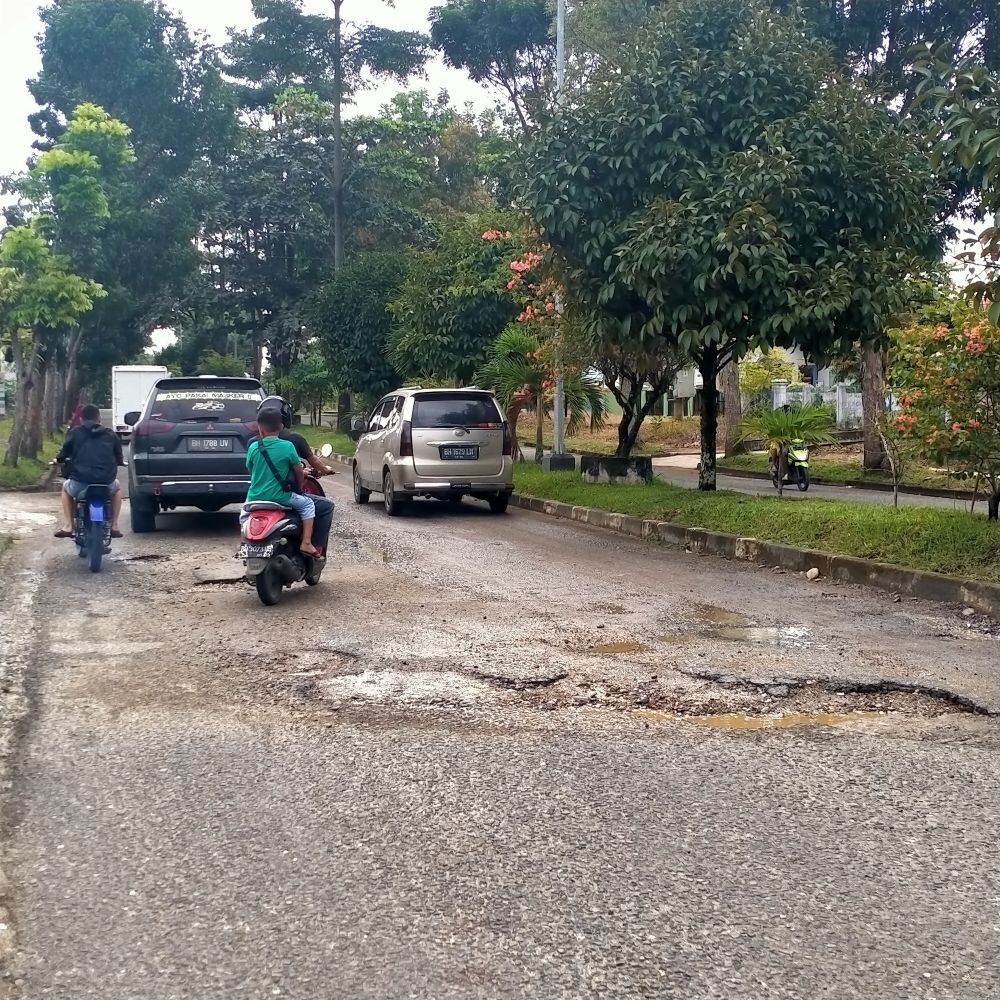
x,y
735,722
613,648
790,636
708,614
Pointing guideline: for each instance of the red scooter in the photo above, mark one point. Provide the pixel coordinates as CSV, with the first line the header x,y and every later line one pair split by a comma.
x,y
271,552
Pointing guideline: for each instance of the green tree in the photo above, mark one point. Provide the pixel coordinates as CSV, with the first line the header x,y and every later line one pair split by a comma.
x,y
350,317
761,368
505,43
784,207
324,57
453,302
47,289
967,98
138,62
309,384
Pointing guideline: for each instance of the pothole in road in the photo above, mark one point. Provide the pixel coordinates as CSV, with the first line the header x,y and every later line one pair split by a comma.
x,y
417,687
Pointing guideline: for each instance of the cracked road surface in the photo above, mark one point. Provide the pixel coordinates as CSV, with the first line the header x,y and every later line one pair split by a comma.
x,y
489,757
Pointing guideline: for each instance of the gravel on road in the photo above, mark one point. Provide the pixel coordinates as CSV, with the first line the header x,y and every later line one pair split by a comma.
x,y
488,757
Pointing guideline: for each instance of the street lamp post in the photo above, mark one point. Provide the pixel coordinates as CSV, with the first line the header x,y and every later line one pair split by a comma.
x,y
559,459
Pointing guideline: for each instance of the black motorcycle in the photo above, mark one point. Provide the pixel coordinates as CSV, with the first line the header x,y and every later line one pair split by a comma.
x,y
92,525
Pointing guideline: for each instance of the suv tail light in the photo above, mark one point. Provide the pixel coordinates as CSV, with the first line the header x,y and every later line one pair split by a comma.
x,y
145,427
508,440
252,429
406,440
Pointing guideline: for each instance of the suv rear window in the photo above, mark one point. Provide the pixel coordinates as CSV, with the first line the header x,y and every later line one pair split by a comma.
x,y
477,409
220,406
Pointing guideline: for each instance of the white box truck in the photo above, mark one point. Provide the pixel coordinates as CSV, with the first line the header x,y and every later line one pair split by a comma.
x,y
130,385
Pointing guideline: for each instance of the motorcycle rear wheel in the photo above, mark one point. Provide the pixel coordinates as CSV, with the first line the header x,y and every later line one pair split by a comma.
x,y
269,586
95,547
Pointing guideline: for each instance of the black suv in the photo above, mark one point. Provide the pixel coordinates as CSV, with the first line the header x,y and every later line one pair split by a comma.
x,y
189,446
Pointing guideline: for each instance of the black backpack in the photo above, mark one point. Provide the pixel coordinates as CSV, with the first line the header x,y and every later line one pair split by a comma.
x,y
95,458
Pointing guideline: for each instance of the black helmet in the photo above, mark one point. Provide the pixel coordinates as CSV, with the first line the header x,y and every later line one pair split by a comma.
x,y
278,403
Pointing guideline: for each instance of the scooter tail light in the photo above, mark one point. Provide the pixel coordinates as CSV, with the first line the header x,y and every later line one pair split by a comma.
x,y
260,525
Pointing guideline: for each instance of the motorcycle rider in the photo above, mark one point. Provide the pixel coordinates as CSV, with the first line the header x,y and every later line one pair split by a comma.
x,y
324,505
93,454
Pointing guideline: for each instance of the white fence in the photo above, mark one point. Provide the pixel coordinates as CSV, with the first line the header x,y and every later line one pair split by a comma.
x,y
843,398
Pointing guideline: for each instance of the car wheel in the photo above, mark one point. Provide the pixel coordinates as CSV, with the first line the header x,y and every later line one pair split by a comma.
x,y
394,506
500,504
361,495
142,513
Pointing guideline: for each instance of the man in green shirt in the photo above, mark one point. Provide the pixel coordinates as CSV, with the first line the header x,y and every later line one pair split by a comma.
x,y
278,476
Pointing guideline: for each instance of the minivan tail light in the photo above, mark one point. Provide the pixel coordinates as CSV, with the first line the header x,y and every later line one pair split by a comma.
x,y
145,427
406,440
508,440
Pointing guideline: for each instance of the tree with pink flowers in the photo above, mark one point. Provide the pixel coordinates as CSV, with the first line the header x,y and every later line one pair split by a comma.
x,y
947,378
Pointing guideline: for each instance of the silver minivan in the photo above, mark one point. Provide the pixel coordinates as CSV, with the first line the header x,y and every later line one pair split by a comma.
x,y
443,444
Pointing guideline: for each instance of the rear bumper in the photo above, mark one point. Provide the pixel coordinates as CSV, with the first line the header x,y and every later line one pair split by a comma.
x,y
407,482
232,490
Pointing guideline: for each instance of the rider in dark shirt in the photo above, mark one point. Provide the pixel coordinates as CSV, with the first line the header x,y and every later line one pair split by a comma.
x,y
93,454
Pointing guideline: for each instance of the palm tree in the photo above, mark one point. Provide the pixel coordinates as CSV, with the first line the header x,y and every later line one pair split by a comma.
x,y
522,381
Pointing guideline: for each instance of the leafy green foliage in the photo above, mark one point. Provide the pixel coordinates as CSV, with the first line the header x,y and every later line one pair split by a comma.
x,y
516,371
138,62
783,206
967,96
350,317
453,302
506,43
811,424
761,368
289,48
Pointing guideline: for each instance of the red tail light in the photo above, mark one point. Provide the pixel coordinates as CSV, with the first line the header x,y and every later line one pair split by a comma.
x,y
406,440
154,427
508,440
261,524
252,429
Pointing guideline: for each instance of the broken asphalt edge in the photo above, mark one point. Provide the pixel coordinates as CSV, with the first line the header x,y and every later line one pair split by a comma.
x,y
978,594
938,587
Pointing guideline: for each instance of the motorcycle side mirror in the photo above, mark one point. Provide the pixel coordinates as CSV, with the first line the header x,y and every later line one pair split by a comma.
x,y
326,451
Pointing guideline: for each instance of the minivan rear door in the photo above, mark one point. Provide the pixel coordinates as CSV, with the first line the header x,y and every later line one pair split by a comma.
x,y
457,436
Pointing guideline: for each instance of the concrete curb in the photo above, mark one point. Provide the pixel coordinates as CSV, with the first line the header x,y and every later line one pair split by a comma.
x,y
858,484
984,597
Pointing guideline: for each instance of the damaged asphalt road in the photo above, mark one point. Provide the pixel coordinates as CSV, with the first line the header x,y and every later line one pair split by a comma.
x,y
487,757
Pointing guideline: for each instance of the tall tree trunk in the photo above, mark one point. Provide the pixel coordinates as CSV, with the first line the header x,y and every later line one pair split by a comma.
x,y
732,416
71,385
993,503
873,405
708,365
23,366
539,426
513,415
35,413
53,399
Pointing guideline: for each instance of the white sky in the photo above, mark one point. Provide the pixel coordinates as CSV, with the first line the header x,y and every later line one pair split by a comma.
x,y
19,26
